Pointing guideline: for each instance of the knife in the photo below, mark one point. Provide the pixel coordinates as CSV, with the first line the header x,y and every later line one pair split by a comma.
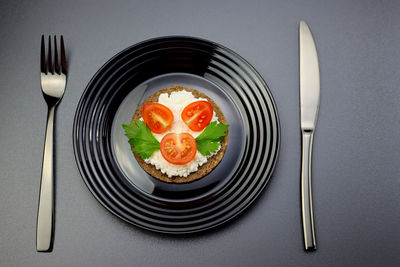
x,y
309,105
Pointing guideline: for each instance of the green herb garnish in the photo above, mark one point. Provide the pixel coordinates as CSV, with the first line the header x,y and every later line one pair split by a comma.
x,y
210,139
142,140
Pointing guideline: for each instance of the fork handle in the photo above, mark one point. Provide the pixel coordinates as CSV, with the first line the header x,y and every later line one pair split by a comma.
x,y
306,192
45,217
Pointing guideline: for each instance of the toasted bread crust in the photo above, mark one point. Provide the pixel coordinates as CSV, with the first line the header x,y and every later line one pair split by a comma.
x,y
203,170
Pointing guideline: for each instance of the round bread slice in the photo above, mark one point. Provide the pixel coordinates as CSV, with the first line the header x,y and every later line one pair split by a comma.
x,y
204,169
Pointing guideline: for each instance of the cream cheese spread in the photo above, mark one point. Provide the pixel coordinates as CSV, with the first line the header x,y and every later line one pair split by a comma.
x,y
176,102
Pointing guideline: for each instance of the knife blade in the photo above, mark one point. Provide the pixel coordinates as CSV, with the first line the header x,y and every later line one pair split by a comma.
x,y
309,106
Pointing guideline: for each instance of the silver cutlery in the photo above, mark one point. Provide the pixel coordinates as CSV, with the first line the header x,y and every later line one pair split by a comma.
x,y
309,105
53,79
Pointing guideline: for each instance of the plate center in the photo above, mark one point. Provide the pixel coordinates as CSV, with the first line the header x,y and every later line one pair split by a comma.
x,y
169,191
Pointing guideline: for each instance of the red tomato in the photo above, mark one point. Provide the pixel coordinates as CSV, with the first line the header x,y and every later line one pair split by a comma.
x,y
157,117
178,149
197,115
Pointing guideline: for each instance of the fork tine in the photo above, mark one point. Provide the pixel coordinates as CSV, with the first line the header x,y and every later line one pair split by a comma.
x,y
43,57
49,61
56,65
63,60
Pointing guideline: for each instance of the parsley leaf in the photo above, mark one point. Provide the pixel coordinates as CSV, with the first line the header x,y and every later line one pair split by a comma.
x,y
142,140
210,139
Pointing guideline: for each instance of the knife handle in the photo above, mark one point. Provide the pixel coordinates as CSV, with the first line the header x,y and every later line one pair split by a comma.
x,y
306,192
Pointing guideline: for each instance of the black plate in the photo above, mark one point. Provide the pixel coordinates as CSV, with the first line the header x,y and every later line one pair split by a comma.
x,y
112,96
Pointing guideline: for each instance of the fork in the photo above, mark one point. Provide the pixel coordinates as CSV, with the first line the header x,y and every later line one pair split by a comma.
x,y
53,79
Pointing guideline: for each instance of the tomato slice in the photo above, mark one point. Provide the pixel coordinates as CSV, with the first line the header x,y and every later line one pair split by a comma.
x,y
179,148
157,117
197,115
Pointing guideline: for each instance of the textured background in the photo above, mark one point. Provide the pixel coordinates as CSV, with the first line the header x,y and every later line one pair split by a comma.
x,y
357,148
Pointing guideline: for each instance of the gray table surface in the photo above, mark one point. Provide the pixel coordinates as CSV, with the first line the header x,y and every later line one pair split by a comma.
x,y
356,150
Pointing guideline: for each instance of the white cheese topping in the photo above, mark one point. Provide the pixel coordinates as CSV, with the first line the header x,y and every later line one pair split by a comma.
x,y
176,102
